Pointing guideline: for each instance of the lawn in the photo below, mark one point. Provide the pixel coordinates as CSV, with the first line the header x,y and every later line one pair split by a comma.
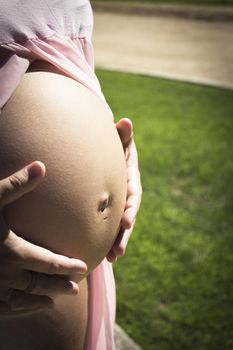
x,y
186,2
175,283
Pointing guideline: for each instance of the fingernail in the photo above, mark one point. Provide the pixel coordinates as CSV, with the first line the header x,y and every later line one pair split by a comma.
x,y
82,270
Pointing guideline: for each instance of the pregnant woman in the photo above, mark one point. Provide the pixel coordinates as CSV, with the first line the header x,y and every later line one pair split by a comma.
x,y
52,109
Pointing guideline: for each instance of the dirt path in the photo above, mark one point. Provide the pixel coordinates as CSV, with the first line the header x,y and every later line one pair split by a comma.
x,y
183,49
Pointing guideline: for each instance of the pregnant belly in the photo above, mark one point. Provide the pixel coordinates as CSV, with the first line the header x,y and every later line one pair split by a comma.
x,y
77,208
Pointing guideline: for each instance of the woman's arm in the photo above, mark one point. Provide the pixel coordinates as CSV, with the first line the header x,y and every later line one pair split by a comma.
x,y
29,274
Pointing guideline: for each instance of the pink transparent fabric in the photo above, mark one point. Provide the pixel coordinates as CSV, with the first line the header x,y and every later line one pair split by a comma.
x,y
74,57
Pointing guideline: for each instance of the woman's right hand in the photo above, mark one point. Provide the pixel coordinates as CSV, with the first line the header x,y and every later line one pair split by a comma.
x,y
30,275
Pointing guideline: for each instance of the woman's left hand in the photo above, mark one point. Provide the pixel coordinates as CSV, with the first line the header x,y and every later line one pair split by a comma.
x,y
134,189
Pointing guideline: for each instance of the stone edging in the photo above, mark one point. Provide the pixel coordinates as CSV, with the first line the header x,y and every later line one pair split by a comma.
x,y
207,13
123,341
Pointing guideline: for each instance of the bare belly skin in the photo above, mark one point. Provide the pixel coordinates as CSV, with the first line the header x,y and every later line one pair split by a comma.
x,y
77,209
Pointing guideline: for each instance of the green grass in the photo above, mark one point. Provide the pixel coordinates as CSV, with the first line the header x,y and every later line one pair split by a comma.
x,y
186,2
175,283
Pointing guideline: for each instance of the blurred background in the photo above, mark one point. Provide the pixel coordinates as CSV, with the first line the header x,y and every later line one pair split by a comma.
x,y
169,67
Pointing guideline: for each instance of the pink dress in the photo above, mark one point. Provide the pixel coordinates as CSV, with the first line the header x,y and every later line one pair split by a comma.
x,y
59,32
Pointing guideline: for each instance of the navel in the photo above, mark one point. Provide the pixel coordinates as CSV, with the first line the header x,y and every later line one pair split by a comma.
x,y
104,204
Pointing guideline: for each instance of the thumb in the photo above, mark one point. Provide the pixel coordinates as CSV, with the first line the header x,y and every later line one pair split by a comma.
x,y
21,182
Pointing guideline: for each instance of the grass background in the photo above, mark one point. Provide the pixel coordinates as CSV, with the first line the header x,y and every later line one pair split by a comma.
x,y
191,2
175,283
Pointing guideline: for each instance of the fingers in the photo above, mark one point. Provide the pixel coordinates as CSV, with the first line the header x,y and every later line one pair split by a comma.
x,y
32,282
121,247
131,209
42,284
134,194
21,301
31,257
111,256
21,288
120,244
12,300
134,190
30,275
113,253
132,156
21,182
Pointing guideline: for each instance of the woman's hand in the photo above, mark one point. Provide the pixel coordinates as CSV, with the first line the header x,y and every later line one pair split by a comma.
x,y
134,189
30,275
